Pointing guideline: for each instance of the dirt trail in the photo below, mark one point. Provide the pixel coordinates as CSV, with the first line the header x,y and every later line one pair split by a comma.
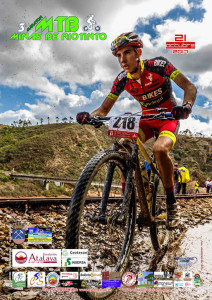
x,y
196,242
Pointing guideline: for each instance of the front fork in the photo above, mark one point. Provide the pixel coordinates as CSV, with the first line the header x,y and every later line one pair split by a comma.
x,y
106,190
129,186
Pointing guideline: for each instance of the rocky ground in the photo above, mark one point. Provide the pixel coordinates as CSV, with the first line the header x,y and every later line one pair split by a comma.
x,y
195,213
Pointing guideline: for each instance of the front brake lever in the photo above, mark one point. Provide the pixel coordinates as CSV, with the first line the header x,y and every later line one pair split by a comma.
x,y
95,122
97,125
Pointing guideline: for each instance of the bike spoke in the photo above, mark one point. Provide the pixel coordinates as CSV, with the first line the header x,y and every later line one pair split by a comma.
x,y
103,241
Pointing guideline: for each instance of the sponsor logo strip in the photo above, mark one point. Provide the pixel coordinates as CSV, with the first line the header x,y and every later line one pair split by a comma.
x,y
36,258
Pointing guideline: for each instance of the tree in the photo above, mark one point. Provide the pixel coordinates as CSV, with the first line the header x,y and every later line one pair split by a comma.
x,y
57,119
41,121
48,119
25,123
187,132
64,119
14,124
71,119
20,122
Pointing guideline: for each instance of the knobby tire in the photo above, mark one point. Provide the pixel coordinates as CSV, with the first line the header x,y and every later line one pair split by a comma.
x,y
77,205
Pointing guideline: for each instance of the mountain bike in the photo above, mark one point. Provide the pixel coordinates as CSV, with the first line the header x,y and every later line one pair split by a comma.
x,y
112,187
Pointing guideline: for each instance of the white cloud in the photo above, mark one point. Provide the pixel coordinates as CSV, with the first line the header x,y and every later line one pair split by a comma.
x,y
72,61
196,126
204,82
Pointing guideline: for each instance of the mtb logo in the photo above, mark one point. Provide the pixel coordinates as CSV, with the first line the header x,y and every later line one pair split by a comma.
x,y
65,27
36,279
19,279
91,24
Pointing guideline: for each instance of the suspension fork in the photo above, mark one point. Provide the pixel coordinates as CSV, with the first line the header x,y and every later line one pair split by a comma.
x,y
107,186
142,197
106,190
129,185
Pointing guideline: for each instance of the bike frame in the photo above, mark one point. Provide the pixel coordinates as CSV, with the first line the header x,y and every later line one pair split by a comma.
x,y
145,188
145,199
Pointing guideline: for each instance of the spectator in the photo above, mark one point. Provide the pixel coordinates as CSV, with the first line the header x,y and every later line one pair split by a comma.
x,y
208,185
196,187
185,179
176,176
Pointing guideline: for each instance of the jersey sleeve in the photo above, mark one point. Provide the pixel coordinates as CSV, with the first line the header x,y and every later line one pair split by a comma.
x,y
161,66
118,86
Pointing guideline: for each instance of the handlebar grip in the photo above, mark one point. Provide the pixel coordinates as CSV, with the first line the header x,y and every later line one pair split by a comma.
x,y
168,114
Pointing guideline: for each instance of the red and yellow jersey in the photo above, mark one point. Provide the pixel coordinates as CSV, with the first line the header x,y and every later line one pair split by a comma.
x,y
154,89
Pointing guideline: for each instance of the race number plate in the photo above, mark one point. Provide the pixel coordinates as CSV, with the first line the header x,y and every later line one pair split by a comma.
x,y
123,126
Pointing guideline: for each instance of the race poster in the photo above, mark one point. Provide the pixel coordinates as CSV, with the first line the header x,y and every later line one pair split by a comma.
x,y
84,180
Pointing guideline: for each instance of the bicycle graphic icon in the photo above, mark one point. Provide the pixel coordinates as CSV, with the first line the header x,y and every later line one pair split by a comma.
x,y
91,24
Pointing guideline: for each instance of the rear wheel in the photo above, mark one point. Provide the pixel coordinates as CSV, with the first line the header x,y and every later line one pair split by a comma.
x,y
107,239
158,231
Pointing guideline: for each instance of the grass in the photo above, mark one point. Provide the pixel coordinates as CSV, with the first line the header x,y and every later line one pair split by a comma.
x,y
62,150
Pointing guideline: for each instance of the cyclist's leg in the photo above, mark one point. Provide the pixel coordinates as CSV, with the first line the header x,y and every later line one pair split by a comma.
x,y
145,131
161,148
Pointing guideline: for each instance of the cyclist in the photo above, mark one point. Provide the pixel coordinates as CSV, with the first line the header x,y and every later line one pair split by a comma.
x,y
148,81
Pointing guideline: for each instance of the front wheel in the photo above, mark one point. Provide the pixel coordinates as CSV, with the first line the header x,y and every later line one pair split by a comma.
x,y
93,217
158,230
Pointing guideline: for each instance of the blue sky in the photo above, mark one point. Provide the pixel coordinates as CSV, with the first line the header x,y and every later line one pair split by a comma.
x,y
59,78
194,14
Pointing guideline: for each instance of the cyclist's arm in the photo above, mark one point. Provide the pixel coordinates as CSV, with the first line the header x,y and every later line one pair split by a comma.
x,y
104,109
188,87
117,89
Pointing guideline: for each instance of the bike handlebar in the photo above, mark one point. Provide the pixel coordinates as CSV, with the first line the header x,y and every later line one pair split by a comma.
x,y
159,116
99,121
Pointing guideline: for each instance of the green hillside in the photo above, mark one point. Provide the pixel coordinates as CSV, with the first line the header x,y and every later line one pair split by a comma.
x,y
62,150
